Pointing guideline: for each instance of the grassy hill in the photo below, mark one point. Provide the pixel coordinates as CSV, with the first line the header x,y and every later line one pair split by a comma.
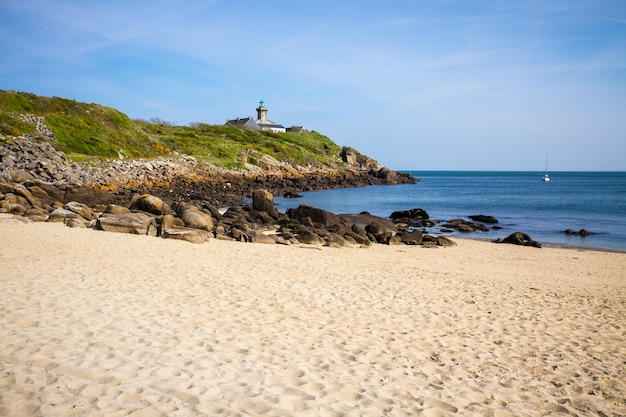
x,y
90,131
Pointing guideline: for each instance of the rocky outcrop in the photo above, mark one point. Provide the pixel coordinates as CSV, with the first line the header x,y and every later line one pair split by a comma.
x,y
179,198
177,178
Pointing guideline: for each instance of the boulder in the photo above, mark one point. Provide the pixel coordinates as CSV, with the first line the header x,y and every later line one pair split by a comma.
x,y
483,219
149,204
519,238
262,200
115,209
316,215
197,219
309,237
58,215
36,214
79,208
394,240
15,209
413,214
20,190
257,236
363,221
444,241
581,232
187,234
437,241
464,226
75,222
134,223
412,238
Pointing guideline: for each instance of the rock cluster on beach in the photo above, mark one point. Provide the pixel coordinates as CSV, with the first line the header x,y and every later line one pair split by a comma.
x,y
180,198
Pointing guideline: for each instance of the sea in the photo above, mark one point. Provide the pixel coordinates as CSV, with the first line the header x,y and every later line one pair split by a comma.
x,y
520,201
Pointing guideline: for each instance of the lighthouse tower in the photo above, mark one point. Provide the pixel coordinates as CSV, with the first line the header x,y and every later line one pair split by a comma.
x,y
261,112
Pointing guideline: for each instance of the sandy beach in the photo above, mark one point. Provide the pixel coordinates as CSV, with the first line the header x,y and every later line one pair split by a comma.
x,y
104,324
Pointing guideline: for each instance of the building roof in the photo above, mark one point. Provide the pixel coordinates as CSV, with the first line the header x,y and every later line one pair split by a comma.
x,y
271,125
247,122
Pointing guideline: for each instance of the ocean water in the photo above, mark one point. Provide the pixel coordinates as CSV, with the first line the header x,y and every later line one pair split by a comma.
x,y
595,201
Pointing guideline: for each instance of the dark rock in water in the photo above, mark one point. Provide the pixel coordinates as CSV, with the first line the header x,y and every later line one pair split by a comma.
x,y
464,226
483,219
581,232
413,214
292,194
519,238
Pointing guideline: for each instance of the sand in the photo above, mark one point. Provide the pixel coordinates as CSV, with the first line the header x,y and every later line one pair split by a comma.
x,y
105,324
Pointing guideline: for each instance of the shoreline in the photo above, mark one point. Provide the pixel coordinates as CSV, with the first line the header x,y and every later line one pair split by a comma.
x,y
105,323
544,245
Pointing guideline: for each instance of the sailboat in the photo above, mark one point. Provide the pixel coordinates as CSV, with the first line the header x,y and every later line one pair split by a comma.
x,y
545,176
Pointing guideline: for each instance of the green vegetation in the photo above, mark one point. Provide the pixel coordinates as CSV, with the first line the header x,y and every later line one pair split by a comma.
x,y
88,131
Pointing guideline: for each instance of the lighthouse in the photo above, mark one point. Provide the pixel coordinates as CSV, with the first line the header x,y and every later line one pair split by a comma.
x,y
261,113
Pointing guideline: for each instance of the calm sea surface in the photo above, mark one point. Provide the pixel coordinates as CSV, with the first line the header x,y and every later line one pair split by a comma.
x,y
595,201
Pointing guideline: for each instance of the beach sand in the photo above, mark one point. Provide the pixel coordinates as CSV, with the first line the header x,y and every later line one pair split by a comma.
x,y
104,324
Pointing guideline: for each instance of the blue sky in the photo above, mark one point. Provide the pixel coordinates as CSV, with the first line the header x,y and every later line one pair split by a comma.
x,y
433,85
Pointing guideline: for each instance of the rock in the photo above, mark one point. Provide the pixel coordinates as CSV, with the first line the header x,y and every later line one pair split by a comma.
x,y
75,222
319,216
483,219
36,214
239,235
58,215
79,208
338,240
187,234
361,221
519,238
197,219
394,240
149,204
20,190
444,241
291,194
16,209
581,232
134,223
464,226
309,238
262,200
257,236
115,209
411,238
413,214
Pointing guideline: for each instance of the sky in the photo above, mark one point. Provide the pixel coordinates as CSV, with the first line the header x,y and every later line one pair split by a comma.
x,y
414,84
